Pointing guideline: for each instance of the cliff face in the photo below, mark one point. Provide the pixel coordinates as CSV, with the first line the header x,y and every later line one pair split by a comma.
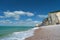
x,y
52,19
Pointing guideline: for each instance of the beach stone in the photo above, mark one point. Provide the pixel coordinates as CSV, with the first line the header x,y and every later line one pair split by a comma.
x,y
46,33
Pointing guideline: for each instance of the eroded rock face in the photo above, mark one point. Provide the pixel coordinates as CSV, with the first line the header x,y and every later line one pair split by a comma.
x,y
52,19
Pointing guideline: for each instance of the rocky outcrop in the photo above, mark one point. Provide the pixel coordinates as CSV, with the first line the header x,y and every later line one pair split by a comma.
x,y
52,19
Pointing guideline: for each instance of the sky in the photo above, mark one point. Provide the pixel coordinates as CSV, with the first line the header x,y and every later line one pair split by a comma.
x,y
26,12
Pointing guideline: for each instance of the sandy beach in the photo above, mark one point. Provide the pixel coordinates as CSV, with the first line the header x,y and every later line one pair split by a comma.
x,y
46,33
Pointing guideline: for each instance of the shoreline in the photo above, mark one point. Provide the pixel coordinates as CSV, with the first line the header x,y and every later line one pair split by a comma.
x,y
46,33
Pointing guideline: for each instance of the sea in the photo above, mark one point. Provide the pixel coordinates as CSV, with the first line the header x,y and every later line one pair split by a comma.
x,y
16,32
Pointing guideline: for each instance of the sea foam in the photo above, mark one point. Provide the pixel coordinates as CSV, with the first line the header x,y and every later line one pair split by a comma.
x,y
20,35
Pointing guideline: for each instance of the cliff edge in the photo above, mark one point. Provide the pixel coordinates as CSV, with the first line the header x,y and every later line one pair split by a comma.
x,y
52,19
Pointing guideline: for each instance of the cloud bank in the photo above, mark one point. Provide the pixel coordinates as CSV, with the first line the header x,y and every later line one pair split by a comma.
x,y
17,14
42,16
16,18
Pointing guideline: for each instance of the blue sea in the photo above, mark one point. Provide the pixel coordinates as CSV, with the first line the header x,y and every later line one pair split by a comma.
x,y
15,32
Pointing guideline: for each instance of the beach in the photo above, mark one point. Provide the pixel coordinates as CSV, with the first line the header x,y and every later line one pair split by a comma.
x,y
51,32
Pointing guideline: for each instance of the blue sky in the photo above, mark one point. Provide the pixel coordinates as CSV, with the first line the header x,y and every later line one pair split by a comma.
x,y
26,12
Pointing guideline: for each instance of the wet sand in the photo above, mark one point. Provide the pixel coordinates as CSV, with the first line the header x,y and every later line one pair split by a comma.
x,y
46,33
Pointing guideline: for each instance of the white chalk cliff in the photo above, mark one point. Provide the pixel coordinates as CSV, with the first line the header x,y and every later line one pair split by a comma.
x,y
52,19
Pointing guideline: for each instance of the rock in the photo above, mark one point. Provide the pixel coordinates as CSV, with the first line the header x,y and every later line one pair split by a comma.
x,y
52,19
46,33
37,25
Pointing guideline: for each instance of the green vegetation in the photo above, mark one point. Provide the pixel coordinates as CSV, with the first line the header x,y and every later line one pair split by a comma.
x,y
55,11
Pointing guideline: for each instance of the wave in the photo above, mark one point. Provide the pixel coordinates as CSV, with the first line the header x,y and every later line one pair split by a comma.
x,y
20,35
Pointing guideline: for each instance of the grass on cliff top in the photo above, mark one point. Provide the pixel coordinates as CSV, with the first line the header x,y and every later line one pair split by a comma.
x,y
55,11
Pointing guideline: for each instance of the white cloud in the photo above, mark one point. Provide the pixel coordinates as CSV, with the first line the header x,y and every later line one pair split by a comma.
x,y
29,19
5,21
24,13
29,14
9,14
42,16
28,22
36,21
17,14
1,16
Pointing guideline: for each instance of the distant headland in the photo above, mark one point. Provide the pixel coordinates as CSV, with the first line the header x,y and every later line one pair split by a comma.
x,y
52,19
